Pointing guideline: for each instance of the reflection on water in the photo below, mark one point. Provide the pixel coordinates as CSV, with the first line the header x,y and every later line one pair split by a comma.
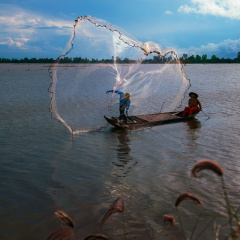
x,y
45,169
194,124
191,137
123,162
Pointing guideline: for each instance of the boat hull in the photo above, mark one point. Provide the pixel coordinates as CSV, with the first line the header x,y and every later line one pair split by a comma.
x,y
148,120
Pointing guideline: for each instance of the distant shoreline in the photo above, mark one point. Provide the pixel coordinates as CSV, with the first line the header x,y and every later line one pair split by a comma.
x,y
76,64
157,59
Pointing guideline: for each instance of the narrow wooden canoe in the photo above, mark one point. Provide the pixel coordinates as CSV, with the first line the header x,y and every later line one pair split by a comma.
x,y
149,120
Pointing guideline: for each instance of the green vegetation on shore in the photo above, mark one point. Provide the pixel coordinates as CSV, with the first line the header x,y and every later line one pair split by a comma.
x,y
156,59
204,59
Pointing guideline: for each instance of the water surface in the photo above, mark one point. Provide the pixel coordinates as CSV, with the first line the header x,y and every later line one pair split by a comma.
x,y
44,168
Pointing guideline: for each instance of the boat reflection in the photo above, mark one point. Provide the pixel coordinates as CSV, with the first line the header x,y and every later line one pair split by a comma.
x,y
194,124
191,137
123,162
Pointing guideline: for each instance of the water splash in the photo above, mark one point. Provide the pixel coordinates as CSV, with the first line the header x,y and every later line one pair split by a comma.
x,y
77,90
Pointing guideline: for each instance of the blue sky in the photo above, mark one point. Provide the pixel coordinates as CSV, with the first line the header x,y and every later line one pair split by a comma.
x,y
31,28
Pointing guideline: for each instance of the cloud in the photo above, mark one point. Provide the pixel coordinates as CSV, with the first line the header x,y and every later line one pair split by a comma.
x,y
24,29
18,43
221,8
227,48
168,12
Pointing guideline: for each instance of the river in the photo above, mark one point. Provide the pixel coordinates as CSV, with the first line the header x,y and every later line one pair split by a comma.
x,y
44,168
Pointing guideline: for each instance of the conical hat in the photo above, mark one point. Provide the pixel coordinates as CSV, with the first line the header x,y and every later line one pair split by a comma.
x,y
196,96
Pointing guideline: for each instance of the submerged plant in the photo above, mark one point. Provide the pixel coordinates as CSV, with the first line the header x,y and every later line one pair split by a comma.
x,y
213,166
113,209
62,233
169,220
183,197
187,196
67,232
64,218
96,237
235,232
207,164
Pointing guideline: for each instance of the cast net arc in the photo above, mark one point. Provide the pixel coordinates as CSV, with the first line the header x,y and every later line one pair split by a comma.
x,y
102,56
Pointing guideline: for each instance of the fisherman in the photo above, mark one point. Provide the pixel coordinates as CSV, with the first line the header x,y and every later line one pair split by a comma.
x,y
124,104
194,104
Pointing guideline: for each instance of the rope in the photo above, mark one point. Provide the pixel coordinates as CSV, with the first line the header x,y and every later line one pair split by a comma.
x,y
206,114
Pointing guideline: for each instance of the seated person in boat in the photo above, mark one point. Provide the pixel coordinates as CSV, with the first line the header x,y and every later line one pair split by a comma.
x,y
194,104
125,101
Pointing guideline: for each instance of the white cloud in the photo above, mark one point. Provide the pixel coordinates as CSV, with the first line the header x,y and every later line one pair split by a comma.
x,y
227,48
222,8
19,27
19,43
168,12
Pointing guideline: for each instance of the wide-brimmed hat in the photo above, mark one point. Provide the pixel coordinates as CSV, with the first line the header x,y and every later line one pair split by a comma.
x,y
196,96
126,95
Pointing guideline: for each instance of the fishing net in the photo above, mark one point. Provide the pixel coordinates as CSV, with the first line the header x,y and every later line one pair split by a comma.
x,y
99,57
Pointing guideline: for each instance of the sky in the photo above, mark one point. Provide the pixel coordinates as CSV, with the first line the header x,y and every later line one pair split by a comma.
x,y
41,29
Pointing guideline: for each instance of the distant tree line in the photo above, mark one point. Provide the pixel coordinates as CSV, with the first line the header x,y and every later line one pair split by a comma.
x,y
27,60
156,59
203,59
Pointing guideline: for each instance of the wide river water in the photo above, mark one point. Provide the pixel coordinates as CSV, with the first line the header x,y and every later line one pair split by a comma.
x,y
43,168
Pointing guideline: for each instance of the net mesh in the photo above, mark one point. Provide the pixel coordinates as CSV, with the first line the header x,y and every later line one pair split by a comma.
x,y
100,56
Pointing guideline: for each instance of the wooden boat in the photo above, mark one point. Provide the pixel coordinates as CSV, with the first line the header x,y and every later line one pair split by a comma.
x,y
148,120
